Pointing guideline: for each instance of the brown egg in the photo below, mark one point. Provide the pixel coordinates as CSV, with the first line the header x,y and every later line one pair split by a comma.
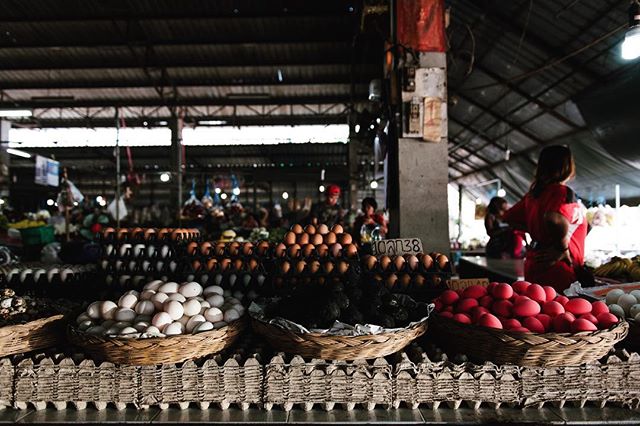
x,y
314,266
137,232
237,264
316,239
427,262
303,239
220,248
192,247
385,261
285,267
280,250
412,261
345,239
443,261
253,264
434,254
196,265
322,229
294,251
234,248
437,280
263,247
247,249
205,248
307,250
211,264
370,262
378,278
162,233
322,250
297,229
176,235
336,250
310,229
279,282
405,281
300,266
108,232
328,267
391,280
321,280
330,238
419,280
122,233
351,250
337,229
399,262
343,267
289,238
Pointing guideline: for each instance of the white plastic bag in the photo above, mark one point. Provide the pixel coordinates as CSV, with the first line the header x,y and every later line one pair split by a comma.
x,y
122,209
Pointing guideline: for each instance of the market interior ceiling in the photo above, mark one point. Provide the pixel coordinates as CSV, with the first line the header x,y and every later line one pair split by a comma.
x,y
516,71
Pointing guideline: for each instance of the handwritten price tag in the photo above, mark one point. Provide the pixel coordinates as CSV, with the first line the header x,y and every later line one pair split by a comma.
x,y
398,246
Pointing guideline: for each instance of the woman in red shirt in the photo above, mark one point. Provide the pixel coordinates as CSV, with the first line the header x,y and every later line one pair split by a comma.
x,y
554,219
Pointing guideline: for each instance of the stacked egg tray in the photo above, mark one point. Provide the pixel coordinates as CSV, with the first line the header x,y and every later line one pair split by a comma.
x,y
249,374
57,280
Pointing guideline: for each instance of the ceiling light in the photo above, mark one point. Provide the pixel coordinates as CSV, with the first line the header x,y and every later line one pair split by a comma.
x,y
211,122
631,44
357,128
1,201
162,123
285,195
50,202
15,113
18,153
321,188
223,196
502,192
236,191
99,199
280,75
164,177
217,190
374,184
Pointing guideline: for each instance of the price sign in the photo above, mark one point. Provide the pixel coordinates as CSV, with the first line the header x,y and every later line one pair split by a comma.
x,y
398,246
467,282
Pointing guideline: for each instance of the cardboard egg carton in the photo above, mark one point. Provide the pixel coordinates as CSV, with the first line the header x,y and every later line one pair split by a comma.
x,y
294,381
7,372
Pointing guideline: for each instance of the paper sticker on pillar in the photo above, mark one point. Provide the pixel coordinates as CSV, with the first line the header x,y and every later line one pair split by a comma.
x,y
425,107
398,246
457,284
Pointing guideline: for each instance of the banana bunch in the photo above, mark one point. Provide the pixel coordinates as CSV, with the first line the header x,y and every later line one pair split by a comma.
x,y
619,267
634,272
26,223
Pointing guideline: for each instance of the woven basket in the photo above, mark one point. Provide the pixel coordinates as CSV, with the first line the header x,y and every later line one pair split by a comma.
x,y
526,349
159,350
34,335
332,347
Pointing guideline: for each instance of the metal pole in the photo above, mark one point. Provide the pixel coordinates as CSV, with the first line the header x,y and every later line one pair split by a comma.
x,y
117,154
460,190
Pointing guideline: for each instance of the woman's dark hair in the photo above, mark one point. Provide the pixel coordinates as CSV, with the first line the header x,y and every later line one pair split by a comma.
x,y
555,165
369,201
495,204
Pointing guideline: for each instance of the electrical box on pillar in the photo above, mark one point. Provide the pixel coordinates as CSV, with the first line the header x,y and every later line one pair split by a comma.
x,y
421,28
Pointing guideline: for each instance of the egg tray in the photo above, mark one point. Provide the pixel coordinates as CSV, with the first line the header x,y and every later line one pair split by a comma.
x,y
153,238
435,284
77,287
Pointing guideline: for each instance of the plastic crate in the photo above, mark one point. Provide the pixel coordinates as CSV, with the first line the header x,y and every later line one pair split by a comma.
x,y
36,236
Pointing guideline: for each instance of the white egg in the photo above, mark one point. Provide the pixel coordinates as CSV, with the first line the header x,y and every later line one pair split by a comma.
x,y
191,307
124,248
152,330
66,274
252,295
109,249
169,287
158,300
153,285
232,279
173,265
124,280
218,279
174,329
219,324
85,325
145,307
232,300
203,326
213,315
124,314
174,309
107,324
205,304
637,318
141,326
216,300
82,318
617,310
613,296
261,279
113,330
96,330
191,289
122,324
636,293
626,301
177,297
142,318
128,330
147,294
198,298
128,301
104,264
151,251
634,310
204,278
135,293
108,309
108,280
138,249
231,315
164,251
227,293
159,266
161,320
190,277
193,322
239,308
238,295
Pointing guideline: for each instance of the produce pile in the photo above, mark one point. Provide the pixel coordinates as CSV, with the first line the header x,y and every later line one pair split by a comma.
x,y
623,269
16,309
162,309
624,305
523,307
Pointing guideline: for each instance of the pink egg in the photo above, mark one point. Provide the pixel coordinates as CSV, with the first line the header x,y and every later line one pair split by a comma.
x,y
545,320
562,300
477,312
598,308
533,324
553,308
526,308
449,297
550,292
446,314
502,291
511,323
520,286
465,305
537,293
502,308
485,301
562,323
488,320
462,318
578,306
582,324
590,318
606,320
521,330
474,292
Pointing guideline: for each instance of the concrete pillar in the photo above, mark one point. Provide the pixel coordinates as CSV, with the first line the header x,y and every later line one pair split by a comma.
x,y
175,124
4,158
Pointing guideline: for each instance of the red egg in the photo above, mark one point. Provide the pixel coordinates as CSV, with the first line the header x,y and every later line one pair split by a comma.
x,y
598,308
520,286
511,323
502,291
477,312
550,292
518,299
474,292
545,320
526,308
462,318
606,320
533,324
562,323
578,306
446,314
438,305
521,330
449,297
465,305
553,308
562,300
502,308
590,317
537,293
485,301
488,320
582,324
448,309
491,286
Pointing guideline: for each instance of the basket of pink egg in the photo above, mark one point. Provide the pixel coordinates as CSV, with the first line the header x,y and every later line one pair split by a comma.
x,y
524,324
166,323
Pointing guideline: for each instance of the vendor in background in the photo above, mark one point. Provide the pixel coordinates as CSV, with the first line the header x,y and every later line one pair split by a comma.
x,y
329,211
556,222
369,217
504,242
